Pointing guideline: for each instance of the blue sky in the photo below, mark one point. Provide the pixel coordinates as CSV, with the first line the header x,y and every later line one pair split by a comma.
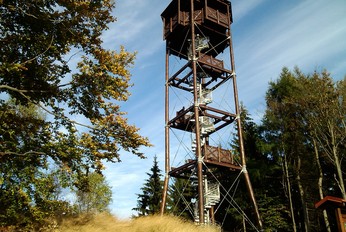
x,y
267,35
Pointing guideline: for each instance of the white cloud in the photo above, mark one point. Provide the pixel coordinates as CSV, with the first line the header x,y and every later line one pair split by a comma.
x,y
308,35
138,26
244,8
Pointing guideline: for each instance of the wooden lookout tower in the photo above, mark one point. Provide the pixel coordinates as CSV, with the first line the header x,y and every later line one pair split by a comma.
x,y
197,32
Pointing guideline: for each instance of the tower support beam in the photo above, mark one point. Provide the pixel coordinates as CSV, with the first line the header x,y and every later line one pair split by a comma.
x,y
196,112
167,150
240,138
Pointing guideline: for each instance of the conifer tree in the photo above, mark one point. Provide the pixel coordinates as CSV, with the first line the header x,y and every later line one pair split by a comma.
x,y
304,126
149,200
181,194
263,172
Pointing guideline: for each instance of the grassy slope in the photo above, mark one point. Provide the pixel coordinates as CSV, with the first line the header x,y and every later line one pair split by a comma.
x,y
107,223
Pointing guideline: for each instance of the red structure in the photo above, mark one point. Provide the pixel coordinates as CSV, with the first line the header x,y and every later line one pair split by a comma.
x,y
197,32
339,206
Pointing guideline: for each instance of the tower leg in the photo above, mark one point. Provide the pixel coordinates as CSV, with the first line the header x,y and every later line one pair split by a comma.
x,y
212,215
240,137
196,112
167,151
164,195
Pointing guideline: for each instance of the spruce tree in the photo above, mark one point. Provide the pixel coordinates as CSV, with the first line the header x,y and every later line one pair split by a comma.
x,y
149,200
181,195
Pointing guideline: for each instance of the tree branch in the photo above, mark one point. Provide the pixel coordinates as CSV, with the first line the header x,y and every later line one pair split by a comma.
x,y
50,44
3,153
21,92
30,15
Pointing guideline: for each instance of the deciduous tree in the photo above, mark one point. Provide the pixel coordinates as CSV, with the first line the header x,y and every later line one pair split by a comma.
x,y
93,194
66,88
305,122
37,42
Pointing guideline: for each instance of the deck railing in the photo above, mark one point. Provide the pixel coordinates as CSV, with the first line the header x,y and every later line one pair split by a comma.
x,y
218,154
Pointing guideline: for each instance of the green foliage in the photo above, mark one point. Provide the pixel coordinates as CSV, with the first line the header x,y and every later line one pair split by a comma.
x,y
149,200
305,119
274,213
40,36
181,194
265,178
93,194
43,150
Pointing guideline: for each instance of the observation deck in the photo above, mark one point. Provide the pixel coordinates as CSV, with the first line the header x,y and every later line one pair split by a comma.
x,y
212,18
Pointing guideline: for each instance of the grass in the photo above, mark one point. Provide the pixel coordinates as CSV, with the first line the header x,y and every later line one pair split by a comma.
x,y
108,223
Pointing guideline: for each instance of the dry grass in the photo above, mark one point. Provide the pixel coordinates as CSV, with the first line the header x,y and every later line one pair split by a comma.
x,y
107,223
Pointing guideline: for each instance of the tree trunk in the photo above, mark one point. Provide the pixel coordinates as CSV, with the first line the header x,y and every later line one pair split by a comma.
x,y
320,183
337,161
302,196
289,193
